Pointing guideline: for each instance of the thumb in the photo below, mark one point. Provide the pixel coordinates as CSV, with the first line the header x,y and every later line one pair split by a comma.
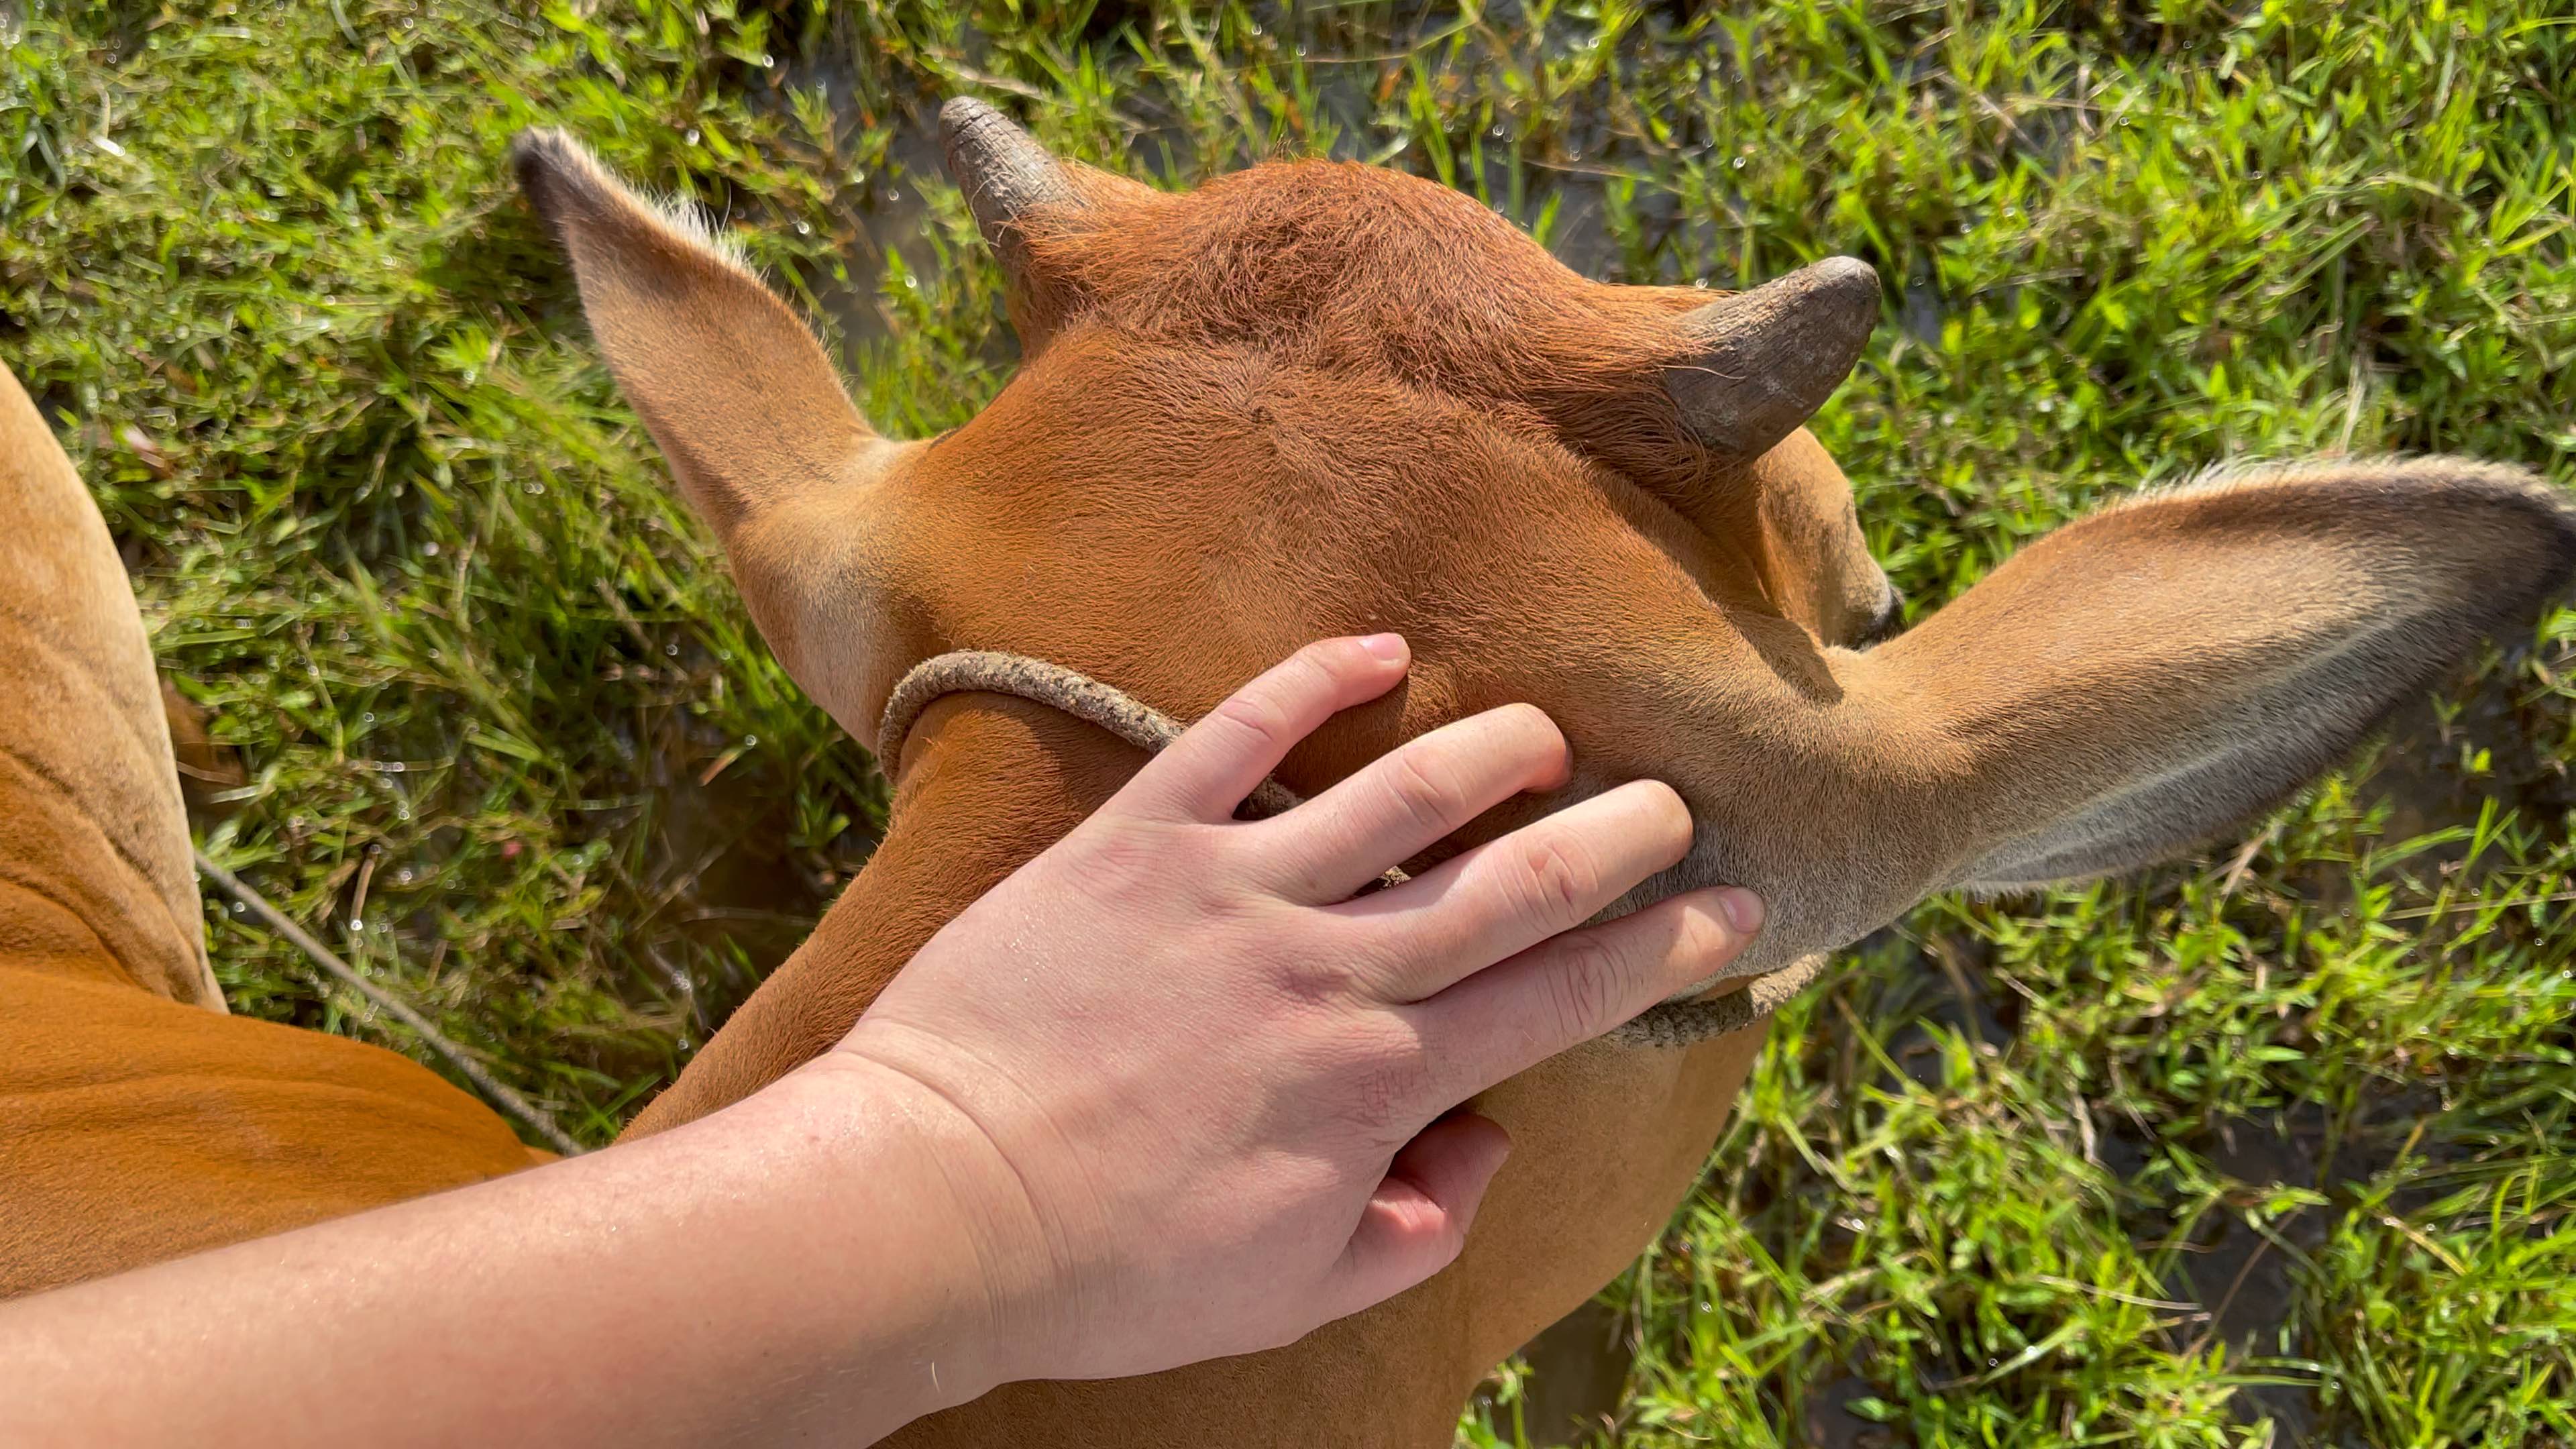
x,y
1417,1220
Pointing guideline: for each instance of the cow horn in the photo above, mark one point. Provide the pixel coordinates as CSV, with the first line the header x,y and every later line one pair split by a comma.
x,y
1003,171
1766,359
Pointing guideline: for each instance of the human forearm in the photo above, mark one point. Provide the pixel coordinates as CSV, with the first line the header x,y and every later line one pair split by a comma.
x,y
795,1267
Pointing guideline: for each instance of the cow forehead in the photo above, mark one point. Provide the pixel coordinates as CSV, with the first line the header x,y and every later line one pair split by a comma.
x,y
1320,324
1305,246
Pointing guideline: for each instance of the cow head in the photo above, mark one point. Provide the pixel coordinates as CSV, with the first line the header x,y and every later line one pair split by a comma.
x,y
1315,398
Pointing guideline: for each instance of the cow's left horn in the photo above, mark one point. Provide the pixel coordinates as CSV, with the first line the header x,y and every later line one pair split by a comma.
x,y
1766,359
1003,171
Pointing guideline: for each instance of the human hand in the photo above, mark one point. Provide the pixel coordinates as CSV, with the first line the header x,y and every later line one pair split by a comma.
x,y
1195,1097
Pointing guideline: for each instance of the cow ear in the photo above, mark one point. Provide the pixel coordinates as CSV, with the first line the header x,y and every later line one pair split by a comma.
x,y
2135,682
734,388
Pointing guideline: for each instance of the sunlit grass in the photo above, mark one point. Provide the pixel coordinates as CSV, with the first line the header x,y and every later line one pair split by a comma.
x,y
2274,1143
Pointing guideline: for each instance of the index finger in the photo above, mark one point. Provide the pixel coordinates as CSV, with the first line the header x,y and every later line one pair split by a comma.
x,y
1216,762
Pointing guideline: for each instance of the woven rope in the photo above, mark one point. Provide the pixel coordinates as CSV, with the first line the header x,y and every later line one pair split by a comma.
x,y
972,671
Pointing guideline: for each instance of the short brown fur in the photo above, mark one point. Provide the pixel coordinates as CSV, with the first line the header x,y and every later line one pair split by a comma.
x,y
138,1121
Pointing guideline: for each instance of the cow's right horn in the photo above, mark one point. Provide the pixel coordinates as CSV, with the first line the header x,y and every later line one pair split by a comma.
x,y
1764,360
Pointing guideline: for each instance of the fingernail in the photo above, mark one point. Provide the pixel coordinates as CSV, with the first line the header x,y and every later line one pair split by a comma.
x,y
1384,646
1743,909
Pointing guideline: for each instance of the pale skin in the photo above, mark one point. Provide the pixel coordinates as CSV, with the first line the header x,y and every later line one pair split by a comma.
x,y
1170,1092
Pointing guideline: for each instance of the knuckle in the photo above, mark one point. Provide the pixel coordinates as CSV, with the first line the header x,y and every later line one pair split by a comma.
x,y
1558,881
1331,967
1264,722
1425,784
1586,985
1372,964
1383,1101
1119,864
1367,1075
1371,1107
1311,980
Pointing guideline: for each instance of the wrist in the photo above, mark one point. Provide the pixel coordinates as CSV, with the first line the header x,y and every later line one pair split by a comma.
x,y
831,1264
934,1216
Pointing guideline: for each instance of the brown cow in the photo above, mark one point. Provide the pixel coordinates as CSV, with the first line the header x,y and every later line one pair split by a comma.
x,y
1314,399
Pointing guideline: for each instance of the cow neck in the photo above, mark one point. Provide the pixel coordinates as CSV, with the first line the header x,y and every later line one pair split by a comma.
x,y
985,782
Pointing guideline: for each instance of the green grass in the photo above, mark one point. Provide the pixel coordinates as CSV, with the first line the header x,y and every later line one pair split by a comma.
x,y
2272,1143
